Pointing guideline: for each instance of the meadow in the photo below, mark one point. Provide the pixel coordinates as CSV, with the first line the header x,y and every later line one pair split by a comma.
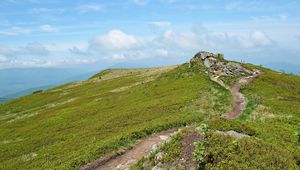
x,y
70,125
271,120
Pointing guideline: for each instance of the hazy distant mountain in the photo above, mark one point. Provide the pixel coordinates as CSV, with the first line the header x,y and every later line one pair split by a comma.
x,y
2,100
128,65
22,81
285,67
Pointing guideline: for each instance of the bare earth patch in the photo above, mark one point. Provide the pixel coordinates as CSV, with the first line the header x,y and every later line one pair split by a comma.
x,y
132,156
239,100
188,149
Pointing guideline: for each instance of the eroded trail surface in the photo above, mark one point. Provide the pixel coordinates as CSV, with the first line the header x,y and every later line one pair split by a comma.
x,y
239,100
131,156
144,147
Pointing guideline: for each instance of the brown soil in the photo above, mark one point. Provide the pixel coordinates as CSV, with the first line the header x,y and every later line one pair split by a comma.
x,y
239,100
188,149
130,157
143,148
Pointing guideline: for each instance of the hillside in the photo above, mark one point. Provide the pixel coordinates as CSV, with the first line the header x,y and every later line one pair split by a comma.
x,y
71,125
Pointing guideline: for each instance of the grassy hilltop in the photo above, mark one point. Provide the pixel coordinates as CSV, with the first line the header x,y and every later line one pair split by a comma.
x,y
70,125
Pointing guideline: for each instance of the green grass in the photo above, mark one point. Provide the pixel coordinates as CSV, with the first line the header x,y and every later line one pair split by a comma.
x,y
70,125
272,116
271,119
225,152
251,105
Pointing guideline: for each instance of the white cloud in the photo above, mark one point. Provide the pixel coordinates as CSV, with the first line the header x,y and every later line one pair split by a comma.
x,y
161,52
15,31
90,8
159,26
182,40
129,55
114,40
35,49
77,51
48,28
66,46
118,57
270,19
47,10
244,5
260,38
7,33
283,17
117,45
3,59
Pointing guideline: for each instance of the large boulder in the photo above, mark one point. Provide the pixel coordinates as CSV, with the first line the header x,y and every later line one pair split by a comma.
x,y
199,58
216,66
235,68
209,62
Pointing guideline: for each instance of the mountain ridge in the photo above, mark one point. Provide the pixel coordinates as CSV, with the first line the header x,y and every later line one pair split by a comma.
x,y
79,122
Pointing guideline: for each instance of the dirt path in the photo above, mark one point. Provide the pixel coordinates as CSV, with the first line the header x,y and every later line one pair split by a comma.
x,y
239,100
131,156
144,147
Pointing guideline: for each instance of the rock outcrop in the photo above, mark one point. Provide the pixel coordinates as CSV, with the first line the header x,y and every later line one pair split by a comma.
x,y
216,64
233,134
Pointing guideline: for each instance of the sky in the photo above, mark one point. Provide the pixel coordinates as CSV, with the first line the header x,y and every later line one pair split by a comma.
x,y
78,33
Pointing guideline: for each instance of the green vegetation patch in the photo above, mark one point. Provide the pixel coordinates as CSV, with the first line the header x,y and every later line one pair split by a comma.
x,y
226,152
73,124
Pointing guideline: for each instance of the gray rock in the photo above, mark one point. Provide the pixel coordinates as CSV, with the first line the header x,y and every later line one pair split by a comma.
x,y
200,57
153,148
159,167
158,156
233,134
204,55
215,66
209,62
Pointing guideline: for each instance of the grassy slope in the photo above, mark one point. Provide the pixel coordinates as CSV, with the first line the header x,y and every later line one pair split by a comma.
x,y
272,117
70,125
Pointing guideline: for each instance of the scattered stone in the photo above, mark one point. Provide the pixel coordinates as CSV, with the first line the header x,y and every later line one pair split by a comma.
x,y
158,157
165,138
159,167
217,66
153,148
209,62
233,134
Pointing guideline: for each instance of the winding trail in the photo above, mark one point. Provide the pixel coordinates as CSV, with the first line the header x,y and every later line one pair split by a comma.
x,y
146,145
239,100
132,156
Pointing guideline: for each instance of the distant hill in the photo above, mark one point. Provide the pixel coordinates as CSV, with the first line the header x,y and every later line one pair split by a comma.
x,y
285,67
2,100
23,93
23,81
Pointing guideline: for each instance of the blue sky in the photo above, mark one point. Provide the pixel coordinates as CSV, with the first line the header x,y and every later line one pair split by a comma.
x,y
77,33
